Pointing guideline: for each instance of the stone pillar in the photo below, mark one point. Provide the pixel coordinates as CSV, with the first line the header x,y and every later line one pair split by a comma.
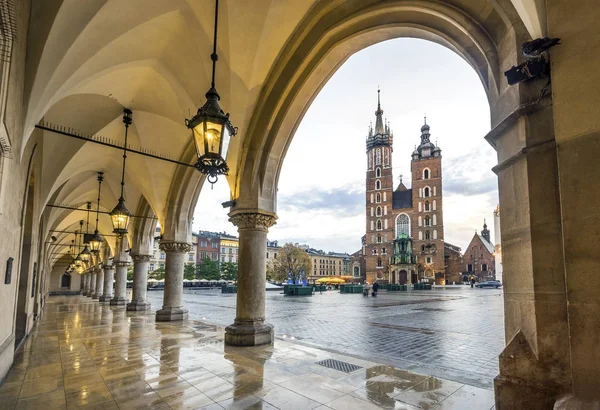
x,y
172,309
120,297
107,292
99,283
534,366
249,327
92,291
88,280
140,283
84,280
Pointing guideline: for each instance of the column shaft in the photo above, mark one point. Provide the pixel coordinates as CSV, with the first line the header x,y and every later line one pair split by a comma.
x,y
249,327
92,291
87,284
120,297
99,283
172,309
140,283
84,279
107,292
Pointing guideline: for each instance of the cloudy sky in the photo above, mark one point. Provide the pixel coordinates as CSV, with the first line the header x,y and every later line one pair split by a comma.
x,y
321,188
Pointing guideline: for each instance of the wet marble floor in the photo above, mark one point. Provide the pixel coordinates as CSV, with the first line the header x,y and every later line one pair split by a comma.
x,y
83,354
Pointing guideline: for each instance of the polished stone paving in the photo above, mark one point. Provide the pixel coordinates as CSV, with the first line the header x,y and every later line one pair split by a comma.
x,y
83,354
455,333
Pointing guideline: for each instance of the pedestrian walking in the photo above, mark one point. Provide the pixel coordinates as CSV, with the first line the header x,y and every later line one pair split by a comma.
x,y
375,288
366,289
472,280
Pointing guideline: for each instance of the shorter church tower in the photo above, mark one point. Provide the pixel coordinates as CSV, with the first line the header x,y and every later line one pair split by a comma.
x,y
427,222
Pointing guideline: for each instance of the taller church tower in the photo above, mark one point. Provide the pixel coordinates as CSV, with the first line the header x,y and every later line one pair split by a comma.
x,y
379,180
428,221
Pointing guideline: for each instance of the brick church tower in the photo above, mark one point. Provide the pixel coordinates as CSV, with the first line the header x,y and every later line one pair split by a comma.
x,y
379,189
427,221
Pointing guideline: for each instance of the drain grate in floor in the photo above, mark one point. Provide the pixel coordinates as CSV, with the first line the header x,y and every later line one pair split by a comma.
x,y
339,365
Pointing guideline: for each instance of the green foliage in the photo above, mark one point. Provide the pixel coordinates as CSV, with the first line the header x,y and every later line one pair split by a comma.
x,y
129,273
229,271
209,270
291,261
157,274
189,271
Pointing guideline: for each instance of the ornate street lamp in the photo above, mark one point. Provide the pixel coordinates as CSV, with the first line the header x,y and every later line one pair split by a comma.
x,y
78,260
85,253
211,127
120,215
96,240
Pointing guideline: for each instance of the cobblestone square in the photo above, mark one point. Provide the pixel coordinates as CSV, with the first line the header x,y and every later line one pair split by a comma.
x,y
454,333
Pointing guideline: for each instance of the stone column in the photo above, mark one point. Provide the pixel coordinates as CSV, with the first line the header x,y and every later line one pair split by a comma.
x,y
107,292
120,297
249,327
84,280
99,283
172,309
534,366
87,284
92,291
140,283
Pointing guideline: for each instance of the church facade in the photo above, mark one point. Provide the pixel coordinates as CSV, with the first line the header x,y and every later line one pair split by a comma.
x,y
404,241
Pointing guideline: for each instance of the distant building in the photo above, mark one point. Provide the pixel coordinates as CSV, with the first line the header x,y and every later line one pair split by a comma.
x,y
328,263
208,246
479,257
229,246
158,256
454,263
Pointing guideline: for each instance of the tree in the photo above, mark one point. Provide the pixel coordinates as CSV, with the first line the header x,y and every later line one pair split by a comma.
x,y
129,273
292,262
157,274
229,271
189,271
208,269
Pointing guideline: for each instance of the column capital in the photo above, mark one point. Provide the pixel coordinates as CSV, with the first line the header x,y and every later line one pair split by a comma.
x,y
120,263
252,219
179,247
106,266
140,258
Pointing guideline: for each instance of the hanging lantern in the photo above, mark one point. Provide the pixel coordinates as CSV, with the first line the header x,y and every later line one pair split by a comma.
x,y
211,127
96,239
120,215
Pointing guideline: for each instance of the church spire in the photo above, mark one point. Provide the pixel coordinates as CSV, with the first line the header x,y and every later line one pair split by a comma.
x,y
379,129
485,232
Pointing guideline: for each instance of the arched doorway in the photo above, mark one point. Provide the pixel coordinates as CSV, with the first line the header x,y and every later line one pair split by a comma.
x,y
403,277
393,276
65,281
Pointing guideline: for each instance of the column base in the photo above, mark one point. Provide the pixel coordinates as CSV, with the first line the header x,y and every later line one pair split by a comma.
x,y
83,293
89,295
171,314
513,393
249,334
105,298
96,296
138,305
118,302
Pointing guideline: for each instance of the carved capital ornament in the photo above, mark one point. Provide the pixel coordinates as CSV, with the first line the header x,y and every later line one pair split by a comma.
x,y
178,247
253,220
141,258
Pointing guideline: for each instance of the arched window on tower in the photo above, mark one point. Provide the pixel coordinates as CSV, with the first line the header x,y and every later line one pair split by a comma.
x,y
426,173
379,263
378,238
378,172
420,235
427,192
378,212
434,219
378,157
427,206
420,221
379,224
378,184
435,234
427,235
384,252
427,221
378,198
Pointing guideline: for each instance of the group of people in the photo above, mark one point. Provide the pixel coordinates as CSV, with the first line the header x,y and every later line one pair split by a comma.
x,y
367,288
